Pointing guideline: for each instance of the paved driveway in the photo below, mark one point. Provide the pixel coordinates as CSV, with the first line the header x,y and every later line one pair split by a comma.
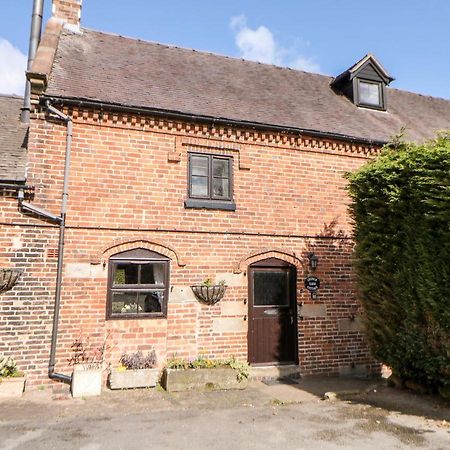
x,y
263,416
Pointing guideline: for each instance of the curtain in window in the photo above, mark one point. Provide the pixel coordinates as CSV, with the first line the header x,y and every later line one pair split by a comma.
x,y
158,272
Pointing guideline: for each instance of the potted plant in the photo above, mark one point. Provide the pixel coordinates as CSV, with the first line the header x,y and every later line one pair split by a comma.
x,y
209,293
12,381
135,371
203,373
87,362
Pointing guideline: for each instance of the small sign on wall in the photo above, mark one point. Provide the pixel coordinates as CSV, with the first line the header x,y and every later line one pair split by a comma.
x,y
312,284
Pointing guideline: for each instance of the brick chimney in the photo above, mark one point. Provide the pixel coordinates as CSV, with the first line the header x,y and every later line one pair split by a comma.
x,y
69,11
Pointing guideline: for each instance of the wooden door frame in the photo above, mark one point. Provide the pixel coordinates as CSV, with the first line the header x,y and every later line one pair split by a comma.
x,y
273,263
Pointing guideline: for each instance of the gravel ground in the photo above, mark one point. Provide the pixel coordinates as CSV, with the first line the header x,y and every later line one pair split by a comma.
x,y
274,416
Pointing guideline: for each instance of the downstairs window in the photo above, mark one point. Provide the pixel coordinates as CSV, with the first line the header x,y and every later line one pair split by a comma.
x,y
138,285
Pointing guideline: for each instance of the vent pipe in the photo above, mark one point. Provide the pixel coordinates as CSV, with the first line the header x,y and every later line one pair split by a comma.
x,y
35,37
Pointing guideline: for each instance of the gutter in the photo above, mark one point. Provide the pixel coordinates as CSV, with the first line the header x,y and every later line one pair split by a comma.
x,y
177,115
25,206
16,186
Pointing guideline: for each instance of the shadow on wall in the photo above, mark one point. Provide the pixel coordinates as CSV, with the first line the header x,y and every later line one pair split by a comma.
x,y
334,251
334,305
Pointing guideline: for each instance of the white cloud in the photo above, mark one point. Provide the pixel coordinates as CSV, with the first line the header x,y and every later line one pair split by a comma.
x,y
13,64
260,45
306,64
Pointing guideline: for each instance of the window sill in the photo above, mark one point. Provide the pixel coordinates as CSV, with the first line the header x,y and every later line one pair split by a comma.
x,y
137,317
210,204
367,106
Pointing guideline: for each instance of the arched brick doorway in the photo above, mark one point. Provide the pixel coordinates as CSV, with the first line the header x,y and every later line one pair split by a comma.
x,y
272,313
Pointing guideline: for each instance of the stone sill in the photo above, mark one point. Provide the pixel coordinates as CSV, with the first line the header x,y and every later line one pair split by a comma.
x,y
210,204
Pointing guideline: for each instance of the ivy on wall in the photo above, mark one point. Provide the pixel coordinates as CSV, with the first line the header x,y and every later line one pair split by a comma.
x,y
401,212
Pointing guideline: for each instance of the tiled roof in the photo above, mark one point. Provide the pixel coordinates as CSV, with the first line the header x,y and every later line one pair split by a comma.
x,y
13,139
113,69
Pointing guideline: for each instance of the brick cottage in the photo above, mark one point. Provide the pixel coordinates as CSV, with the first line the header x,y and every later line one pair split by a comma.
x,y
186,166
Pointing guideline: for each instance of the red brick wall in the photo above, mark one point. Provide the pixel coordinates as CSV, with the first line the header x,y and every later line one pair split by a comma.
x,y
68,10
128,183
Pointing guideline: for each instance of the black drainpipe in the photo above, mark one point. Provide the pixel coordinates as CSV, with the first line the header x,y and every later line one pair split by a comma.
x,y
62,228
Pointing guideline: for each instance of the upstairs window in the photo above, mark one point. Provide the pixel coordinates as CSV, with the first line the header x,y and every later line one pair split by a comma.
x,y
138,285
370,93
210,182
364,83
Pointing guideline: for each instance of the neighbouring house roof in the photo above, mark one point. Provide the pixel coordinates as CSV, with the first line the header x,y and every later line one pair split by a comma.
x,y
13,139
113,69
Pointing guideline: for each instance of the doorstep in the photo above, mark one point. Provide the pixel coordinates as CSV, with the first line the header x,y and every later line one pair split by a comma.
x,y
262,373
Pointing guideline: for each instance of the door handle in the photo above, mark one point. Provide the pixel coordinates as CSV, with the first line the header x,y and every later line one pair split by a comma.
x,y
245,318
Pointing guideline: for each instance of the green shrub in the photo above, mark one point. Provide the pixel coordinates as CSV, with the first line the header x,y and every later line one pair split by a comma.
x,y
242,368
401,212
8,367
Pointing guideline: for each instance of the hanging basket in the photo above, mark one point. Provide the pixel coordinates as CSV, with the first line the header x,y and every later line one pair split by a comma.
x,y
209,294
8,278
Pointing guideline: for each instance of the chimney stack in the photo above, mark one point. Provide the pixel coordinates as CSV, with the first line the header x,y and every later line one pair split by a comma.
x,y
35,37
69,11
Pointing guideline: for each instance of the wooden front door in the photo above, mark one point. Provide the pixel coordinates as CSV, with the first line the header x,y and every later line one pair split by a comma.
x,y
272,335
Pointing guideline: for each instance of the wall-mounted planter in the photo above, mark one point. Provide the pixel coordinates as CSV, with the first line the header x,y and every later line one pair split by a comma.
x,y
8,278
131,379
12,387
218,378
86,380
209,294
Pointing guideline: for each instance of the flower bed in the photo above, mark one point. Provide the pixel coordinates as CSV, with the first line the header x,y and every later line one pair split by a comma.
x,y
131,379
135,371
201,374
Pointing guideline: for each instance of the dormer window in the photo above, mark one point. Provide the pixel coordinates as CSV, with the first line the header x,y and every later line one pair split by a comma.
x,y
370,93
364,83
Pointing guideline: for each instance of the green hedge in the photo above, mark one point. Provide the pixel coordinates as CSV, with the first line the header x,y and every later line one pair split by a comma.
x,y
401,212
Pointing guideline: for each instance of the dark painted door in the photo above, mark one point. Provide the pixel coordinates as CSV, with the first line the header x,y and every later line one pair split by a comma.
x,y
272,337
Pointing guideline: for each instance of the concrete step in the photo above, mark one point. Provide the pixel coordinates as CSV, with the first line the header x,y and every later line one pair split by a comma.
x,y
274,372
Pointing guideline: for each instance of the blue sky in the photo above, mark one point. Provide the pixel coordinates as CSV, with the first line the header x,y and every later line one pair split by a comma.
x,y
409,37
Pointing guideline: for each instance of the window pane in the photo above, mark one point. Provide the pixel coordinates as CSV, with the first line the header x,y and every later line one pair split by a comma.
x,y
125,303
126,273
369,93
199,165
221,187
199,186
271,288
151,302
220,167
152,273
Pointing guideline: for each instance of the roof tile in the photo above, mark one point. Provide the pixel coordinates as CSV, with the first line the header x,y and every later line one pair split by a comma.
x,y
13,140
113,69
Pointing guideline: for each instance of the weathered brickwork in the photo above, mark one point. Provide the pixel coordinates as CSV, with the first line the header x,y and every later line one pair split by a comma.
x,y
128,183
68,10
